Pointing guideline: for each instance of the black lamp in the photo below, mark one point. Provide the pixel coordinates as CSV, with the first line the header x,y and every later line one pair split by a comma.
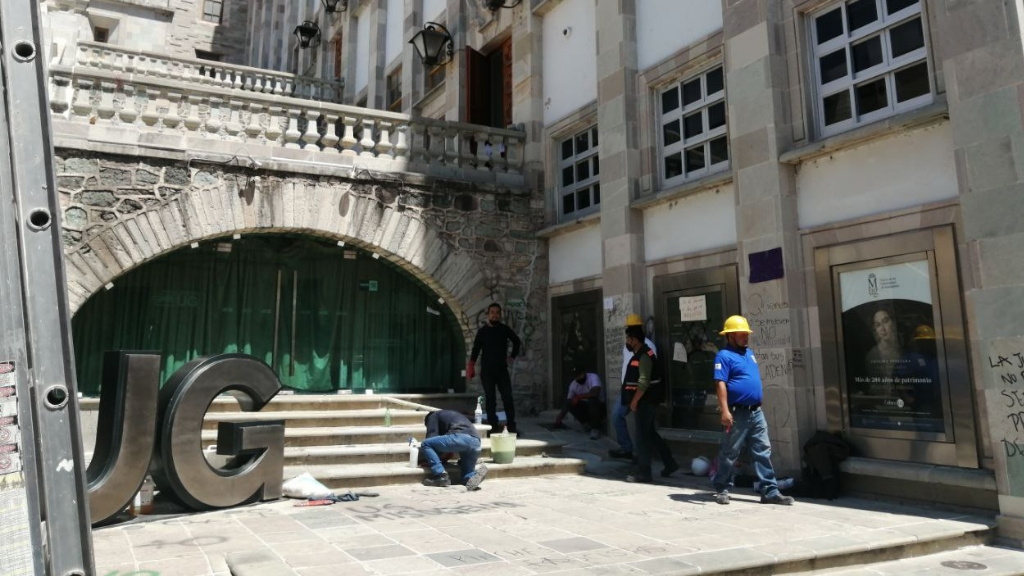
x,y
433,44
331,6
495,5
308,34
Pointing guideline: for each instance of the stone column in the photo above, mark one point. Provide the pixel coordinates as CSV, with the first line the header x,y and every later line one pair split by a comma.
x,y
376,84
980,44
412,69
766,211
456,69
527,93
622,227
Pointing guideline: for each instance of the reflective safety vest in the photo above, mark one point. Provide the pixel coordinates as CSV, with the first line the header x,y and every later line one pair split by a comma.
x,y
629,385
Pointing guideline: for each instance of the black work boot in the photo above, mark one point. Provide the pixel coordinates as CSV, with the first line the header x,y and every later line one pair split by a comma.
x,y
440,481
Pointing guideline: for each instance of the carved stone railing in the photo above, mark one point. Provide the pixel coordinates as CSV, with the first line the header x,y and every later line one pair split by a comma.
x,y
145,64
145,103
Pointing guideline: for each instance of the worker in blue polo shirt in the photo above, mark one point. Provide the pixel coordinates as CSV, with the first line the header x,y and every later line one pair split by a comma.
x,y
738,385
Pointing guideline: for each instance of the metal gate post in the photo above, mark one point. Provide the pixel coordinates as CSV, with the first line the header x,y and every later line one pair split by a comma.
x,y
44,514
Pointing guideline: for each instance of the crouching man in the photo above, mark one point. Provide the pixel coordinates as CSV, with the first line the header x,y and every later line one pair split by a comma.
x,y
451,432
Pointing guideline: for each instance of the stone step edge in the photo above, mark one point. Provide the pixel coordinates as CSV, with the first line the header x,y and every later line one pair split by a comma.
x,y
402,469
797,562
415,430
396,448
312,414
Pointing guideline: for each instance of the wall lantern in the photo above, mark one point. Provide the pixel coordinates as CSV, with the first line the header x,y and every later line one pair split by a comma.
x,y
308,34
495,5
433,44
332,6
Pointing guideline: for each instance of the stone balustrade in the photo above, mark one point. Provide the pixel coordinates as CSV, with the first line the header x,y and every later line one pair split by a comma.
x,y
207,72
171,104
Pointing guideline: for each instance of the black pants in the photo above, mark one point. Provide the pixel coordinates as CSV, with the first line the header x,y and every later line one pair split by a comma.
x,y
589,411
497,377
648,439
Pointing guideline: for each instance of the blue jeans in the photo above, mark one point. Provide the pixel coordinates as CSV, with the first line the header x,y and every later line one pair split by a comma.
x,y
467,446
748,429
621,429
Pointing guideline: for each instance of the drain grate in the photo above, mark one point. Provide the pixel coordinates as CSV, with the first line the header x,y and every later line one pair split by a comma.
x,y
964,565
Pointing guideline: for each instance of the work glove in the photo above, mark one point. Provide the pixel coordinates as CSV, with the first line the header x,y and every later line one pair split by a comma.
x,y
558,422
510,360
470,369
575,400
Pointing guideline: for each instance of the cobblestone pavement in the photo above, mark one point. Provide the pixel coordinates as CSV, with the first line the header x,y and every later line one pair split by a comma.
x,y
554,524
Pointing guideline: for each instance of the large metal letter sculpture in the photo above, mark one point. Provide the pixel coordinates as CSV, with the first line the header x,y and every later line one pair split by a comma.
x,y
125,432
181,470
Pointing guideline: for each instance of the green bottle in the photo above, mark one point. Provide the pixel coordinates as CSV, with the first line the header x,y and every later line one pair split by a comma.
x,y
387,417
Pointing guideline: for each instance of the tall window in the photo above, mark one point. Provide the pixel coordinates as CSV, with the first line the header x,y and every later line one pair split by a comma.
x,y
870,61
337,57
394,90
213,10
692,138
579,177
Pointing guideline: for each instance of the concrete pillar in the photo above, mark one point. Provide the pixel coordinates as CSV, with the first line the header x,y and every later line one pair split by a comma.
x,y
980,44
766,211
622,227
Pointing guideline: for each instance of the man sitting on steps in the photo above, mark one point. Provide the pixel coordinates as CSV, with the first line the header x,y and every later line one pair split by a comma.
x,y
451,432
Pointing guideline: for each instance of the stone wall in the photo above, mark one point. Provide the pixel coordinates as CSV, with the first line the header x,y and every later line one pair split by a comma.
x,y
473,244
189,31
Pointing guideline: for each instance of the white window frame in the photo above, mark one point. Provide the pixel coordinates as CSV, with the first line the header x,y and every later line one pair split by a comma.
x,y
590,156
704,139
886,70
220,17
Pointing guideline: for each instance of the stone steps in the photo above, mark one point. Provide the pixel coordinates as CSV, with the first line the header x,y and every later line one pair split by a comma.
x,y
319,419
341,478
347,436
393,453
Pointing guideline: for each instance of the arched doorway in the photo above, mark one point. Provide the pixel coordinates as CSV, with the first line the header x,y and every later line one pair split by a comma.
x,y
326,317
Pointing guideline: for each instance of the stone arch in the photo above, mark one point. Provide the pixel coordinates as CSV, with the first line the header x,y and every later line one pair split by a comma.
x,y
335,210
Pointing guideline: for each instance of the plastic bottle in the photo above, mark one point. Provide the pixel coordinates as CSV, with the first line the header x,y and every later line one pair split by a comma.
x,y
414,453
478,414
387,417
143,501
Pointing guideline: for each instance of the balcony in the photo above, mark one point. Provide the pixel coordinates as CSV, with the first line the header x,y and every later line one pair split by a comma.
x,y
126,101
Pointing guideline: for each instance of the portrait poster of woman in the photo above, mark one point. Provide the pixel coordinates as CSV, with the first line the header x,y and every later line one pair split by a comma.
x,y
889,348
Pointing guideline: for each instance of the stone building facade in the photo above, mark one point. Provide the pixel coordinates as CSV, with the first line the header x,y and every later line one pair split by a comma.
x,y
845,173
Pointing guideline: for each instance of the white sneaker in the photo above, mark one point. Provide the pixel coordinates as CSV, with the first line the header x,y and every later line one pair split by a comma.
x,y
594,434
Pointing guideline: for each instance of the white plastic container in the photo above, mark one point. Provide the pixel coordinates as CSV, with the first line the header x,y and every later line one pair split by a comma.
x,y
414,453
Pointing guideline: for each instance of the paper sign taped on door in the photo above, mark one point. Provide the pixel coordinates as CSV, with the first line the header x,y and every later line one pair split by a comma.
x,y
679,352
693,308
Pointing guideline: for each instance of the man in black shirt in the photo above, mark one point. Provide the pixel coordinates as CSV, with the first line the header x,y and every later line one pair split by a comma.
x,y
450,432
492,339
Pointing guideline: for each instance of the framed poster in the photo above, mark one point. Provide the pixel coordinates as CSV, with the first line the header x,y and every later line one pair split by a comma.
x,y
890,348
896,381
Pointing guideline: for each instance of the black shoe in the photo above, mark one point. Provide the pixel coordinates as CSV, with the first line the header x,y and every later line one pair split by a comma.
x,y
474,482
635,479
440,481
619,453
778,499
669,469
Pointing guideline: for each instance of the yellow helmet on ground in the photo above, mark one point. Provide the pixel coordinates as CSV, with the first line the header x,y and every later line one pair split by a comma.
x,y
736,324
634,320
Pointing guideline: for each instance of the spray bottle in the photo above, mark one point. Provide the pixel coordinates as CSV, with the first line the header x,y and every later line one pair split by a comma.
x,y
478,414
387,417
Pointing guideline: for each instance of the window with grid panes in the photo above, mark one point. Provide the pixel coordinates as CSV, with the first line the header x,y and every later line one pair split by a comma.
x,y
213,10
579,179
870,62
692,135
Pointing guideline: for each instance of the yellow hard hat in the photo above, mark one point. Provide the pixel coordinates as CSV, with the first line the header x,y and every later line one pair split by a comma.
x,y
634,320
736,324
924,332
